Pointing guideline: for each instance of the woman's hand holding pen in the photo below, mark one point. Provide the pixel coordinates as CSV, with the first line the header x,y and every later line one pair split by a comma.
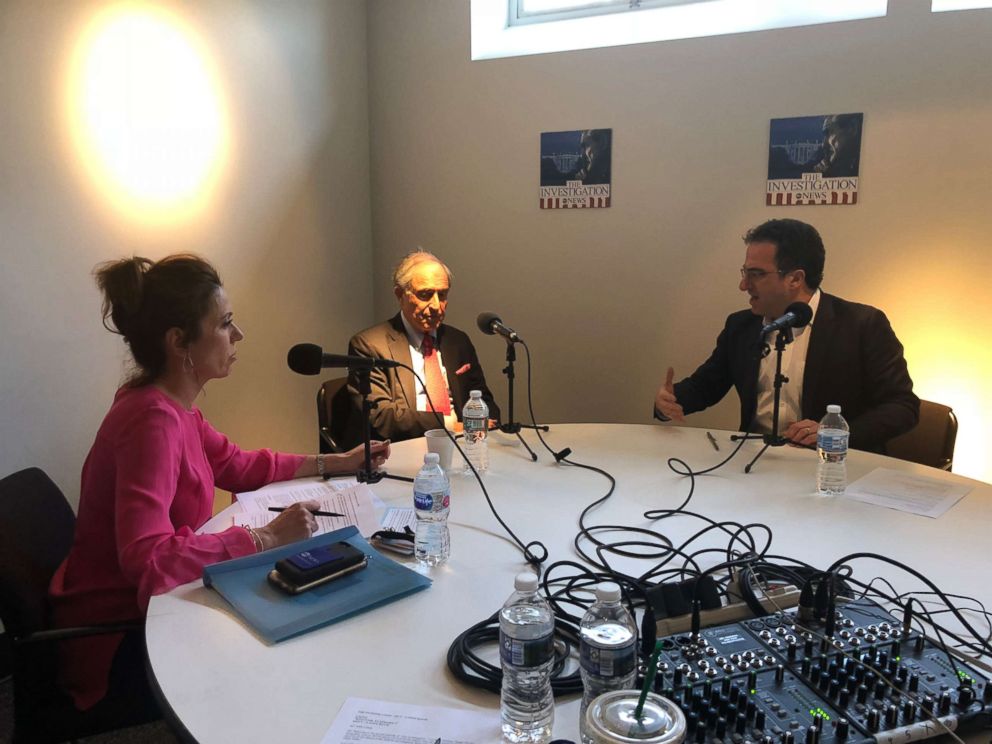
x,y
296,523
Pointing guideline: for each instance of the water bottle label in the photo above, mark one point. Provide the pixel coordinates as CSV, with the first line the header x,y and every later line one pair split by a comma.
x,y
609,662
431,501
529,653
830,441
476,429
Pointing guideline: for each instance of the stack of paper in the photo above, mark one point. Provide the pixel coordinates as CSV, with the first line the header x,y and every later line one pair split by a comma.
x,y
347,497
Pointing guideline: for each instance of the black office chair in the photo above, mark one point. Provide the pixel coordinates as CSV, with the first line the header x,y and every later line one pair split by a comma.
x,y
333,412
36,527
931,441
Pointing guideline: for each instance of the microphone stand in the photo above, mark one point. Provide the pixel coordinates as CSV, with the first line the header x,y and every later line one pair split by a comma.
x,y
366,474
511,426
774,439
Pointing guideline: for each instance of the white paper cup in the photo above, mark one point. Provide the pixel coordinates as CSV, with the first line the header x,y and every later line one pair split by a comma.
x,y
438,441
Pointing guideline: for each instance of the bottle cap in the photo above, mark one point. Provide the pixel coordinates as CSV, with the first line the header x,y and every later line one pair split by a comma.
x,y
525,582
608,592
474,393
833,409
432,458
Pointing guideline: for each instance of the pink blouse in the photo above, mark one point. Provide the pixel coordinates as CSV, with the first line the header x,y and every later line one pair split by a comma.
x,y
147,484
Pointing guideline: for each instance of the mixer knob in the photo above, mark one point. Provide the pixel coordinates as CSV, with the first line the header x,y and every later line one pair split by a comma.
x,y
721,727
891,715
908,711
966,696
741,726
873,719
914,682
691,720
842,730
945,702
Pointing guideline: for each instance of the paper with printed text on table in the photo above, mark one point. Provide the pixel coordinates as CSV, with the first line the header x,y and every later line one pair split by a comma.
x,y
347,496
364,720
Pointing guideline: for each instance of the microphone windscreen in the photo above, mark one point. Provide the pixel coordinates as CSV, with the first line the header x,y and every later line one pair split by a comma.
x,y
305,359
485,322
803,313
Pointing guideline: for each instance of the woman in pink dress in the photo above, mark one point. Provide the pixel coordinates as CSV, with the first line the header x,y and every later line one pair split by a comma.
x,y
148,481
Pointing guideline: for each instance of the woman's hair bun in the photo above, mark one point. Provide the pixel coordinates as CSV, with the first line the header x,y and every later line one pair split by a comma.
x,y
121,283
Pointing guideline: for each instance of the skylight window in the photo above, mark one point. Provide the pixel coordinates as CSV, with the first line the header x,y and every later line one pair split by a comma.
x,y
510,28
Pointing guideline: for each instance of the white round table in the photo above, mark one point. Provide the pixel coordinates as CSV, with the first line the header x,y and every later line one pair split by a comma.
x,y
224,684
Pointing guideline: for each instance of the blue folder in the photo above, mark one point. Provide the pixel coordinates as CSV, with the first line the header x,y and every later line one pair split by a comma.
x,y
276,616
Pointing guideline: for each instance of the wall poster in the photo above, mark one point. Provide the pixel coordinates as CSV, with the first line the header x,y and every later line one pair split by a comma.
x,y
814,160
575,168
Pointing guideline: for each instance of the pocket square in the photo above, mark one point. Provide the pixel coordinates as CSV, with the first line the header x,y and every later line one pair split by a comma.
x,y
463,369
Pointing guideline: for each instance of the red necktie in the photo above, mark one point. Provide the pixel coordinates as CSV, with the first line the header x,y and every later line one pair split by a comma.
x,y
437,389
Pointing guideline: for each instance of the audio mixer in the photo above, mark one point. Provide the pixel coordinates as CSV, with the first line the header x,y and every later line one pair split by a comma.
x,y
779,680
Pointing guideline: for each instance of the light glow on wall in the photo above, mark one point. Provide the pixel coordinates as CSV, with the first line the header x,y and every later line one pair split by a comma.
x,y
147,120
950,366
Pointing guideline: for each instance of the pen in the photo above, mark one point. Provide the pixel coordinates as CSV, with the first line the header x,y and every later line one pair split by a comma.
x,y
315,513
709,435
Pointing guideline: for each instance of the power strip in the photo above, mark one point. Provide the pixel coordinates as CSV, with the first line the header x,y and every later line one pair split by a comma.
x,y
778,599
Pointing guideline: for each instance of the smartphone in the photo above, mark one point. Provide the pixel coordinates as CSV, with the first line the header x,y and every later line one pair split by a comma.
x,y
311,568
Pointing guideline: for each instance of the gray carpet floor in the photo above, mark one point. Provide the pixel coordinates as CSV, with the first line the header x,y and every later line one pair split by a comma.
x,y
151,733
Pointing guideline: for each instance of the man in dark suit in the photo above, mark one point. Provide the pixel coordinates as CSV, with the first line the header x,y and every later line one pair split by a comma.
x,y
848,354
442,355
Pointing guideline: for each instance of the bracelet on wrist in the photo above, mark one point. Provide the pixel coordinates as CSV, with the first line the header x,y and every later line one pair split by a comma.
x,y
255,538
321,466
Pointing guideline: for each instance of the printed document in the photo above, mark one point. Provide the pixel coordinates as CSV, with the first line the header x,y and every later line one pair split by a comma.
x,y
347,497
364,720
908,492
396,518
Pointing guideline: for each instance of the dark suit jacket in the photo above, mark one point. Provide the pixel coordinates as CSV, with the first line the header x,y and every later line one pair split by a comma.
x,y
394,391
854,359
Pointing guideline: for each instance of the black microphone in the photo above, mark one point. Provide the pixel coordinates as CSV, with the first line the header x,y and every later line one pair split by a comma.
x,y
490,324
309,359
797,315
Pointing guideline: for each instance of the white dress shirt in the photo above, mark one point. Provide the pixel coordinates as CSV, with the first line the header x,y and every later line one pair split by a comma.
x,y
416,340
793,367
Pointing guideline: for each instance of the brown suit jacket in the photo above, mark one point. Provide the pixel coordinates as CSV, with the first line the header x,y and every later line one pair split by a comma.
x,y
394,391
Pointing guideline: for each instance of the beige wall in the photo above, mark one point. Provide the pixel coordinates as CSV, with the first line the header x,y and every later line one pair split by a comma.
x,y
605,298
289,228
608,298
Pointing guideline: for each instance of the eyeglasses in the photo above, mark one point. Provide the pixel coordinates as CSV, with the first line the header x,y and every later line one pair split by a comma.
x,y
426,295
753,275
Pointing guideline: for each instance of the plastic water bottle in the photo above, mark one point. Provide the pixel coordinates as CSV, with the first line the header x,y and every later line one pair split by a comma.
x,y
432,500
475,418
526,651
607,649
831,444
